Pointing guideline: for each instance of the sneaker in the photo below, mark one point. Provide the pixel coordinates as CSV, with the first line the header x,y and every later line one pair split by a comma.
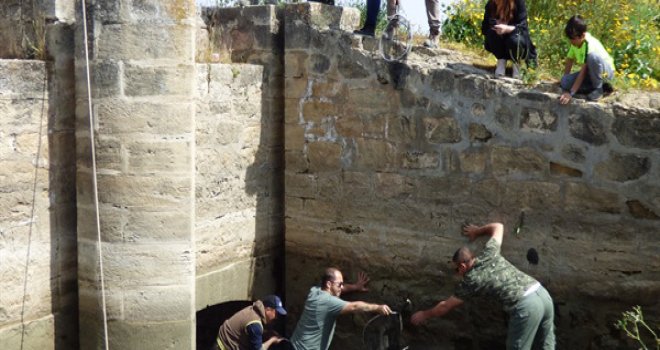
x,y
431,42
501,67
595,95
365,31
607,88
515,74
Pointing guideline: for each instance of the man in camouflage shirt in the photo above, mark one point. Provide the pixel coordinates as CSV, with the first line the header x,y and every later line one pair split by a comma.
x,y
529,305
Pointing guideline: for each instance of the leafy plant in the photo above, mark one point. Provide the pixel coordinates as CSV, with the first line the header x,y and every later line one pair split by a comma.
x,y
629,30
631,322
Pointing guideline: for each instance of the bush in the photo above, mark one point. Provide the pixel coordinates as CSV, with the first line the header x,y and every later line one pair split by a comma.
x,y
629,30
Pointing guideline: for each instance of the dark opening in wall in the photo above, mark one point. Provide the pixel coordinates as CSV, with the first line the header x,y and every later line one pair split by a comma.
x,y
210,319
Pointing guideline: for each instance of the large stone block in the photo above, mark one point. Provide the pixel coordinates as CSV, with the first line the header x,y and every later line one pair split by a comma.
x,y
588,128
518,161
324,156
438,130
22,79
174,335
145,191
623,167
158,304
540,121
147,79
580,196
147,157
116,116
637,127
375,155
137,41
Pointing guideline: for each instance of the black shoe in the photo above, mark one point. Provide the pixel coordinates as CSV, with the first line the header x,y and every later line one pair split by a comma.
x,y
607,88
595,95
365,32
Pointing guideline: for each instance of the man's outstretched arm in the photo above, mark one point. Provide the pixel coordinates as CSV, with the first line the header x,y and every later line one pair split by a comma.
x,y
441,309
495,230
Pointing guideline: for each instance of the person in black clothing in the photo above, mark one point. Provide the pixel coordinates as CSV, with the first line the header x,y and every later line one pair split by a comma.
x,y
507,35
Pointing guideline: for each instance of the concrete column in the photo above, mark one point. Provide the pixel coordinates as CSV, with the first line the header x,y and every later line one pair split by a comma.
x,y
142,66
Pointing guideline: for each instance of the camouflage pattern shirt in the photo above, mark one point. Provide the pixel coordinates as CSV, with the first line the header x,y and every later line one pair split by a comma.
x,y
492,276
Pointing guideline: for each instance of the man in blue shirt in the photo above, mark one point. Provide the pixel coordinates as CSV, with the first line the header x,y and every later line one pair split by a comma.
x,y
316,325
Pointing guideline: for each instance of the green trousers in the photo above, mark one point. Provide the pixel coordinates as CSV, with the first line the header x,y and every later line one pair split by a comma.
x,y
531,323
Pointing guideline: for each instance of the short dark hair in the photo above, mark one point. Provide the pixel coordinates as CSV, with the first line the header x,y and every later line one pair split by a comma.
x,y
328,275
462,255
575,27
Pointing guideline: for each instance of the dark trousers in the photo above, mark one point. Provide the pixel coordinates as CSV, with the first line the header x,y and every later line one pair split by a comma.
x,y
373,7
512,46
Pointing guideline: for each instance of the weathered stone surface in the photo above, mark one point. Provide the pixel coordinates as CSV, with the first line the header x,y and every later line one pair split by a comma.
x,y
538,120
584,197
479,132
150,80
135,42
512,161
623,167
441,130
562,170
442,80
588,128
324,156
505,117
640,211
474,161
637,127
574,153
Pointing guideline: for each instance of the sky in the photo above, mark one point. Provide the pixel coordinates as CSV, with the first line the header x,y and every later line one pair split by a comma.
x,y
414,11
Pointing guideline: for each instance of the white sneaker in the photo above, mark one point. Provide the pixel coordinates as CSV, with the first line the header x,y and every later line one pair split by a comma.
x,y
516,71
501,68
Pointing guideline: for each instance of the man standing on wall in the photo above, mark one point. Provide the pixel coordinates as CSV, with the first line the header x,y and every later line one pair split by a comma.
x,y
316,325
244,330
530,308
432,14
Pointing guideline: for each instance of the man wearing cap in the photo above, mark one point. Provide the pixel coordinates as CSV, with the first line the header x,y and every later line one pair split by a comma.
x,y
244,330
530,308
316,325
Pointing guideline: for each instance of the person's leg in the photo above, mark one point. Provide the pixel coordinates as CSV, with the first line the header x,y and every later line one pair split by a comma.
x,y
369,28
494,44
567,82
523,322
433,16
545,335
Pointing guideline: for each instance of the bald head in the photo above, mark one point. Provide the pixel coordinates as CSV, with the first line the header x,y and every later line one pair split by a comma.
x,y
330,274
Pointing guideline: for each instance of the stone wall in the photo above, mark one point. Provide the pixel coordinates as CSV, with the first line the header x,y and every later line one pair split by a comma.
x,y
385,161
37,224
238,241
239,231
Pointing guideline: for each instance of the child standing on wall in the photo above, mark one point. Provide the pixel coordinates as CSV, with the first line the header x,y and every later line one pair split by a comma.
x,y
596,64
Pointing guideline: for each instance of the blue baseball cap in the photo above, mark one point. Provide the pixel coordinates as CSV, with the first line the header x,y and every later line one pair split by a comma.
x,y
274,302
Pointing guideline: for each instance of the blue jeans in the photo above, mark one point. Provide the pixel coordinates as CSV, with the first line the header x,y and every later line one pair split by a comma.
x,y
531,323
596,68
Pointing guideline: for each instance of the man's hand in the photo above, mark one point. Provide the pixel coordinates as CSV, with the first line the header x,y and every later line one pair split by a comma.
x,y
471,231
361,283
418,318
565,98
383,310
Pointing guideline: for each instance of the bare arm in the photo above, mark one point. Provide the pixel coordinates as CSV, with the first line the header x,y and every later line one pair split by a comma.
x,y
568,65
361,306
441,309
495,230
566,96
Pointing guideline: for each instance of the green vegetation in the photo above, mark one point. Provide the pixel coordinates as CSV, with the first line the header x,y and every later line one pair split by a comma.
x,y
631,322
630,30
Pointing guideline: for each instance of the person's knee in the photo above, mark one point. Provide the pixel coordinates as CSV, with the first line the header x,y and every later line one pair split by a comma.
x,y
566,82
